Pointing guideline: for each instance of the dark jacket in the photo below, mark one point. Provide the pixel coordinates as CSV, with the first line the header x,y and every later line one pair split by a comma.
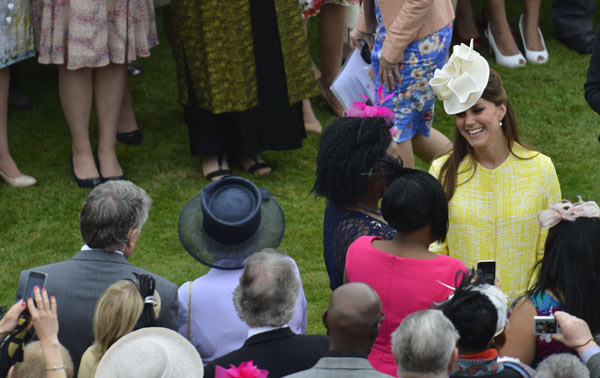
x,y
279,351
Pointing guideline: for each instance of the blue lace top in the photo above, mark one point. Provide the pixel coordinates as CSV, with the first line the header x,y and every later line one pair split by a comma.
x,y
341,227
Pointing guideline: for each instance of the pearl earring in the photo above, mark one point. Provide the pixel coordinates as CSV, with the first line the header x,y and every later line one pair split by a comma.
x,y
500,123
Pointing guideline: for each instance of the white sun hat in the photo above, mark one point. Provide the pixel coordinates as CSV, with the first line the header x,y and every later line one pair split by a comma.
x,y
462,80
152,352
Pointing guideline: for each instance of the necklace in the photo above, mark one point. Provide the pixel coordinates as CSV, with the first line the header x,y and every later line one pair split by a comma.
x,y
368,209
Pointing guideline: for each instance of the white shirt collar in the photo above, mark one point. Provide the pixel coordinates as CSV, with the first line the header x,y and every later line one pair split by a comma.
x,y
87,248
257,330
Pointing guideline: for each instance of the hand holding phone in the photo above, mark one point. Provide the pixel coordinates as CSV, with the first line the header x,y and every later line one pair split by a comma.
x,y
35,279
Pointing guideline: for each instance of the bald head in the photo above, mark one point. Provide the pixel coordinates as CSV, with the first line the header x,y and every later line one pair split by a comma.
x,y
353,317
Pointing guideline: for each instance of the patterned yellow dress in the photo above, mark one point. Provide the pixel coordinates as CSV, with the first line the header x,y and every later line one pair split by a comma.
x,y
16,34
493,216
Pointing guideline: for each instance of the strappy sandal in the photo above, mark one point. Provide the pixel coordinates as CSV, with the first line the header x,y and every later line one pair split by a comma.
x,y
256,166
220,172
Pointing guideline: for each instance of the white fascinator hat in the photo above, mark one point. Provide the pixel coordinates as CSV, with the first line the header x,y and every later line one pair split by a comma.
x,y
462,80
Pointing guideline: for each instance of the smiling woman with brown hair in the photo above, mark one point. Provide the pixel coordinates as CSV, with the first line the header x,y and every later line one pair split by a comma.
x,y
494,183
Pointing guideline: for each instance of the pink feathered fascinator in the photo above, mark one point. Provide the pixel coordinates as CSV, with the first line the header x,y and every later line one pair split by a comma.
x,y
567,211
367,110
245,370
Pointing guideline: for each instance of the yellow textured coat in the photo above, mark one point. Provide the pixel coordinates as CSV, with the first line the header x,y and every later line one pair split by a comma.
x,y
493,216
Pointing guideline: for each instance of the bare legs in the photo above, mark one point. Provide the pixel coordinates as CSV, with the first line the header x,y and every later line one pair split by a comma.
x,y
7,164
465,20
496,11
426,148
332,22
127,122
109,92
76,90
531,19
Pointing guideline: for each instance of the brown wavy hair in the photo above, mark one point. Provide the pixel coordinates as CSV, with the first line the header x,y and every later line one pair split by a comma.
x,y
495,93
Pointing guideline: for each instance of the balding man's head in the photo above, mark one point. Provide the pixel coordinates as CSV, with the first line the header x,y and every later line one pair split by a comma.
x,y
353,317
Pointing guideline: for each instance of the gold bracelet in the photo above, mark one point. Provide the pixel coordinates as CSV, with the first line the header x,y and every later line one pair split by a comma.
x,y
55,368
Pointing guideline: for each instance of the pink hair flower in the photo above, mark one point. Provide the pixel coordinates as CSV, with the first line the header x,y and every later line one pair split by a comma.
x,y
245,370
567,211
367,110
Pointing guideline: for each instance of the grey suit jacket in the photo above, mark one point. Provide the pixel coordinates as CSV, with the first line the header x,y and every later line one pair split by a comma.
x,y
340,367
593,365
77,284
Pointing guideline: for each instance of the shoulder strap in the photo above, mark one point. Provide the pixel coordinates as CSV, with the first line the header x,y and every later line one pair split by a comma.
x,y
189,319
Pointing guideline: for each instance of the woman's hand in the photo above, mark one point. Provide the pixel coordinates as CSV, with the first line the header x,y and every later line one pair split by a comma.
x,y
45,323
356,36
387,72
43,316
9,321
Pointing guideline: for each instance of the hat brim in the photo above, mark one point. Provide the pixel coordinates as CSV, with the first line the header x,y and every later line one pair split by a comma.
x,y
214,254
177,356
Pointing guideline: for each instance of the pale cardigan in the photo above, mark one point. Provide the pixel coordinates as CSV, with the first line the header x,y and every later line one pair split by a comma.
x,y
405,21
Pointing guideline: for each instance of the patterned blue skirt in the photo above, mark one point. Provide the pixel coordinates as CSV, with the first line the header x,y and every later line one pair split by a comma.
x,y
413,101
16,33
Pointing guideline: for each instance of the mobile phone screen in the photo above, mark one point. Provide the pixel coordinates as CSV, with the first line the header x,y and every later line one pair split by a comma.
x,y
35,279
487,271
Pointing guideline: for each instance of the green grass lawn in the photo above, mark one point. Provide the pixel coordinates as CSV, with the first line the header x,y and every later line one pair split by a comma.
x,y
40,225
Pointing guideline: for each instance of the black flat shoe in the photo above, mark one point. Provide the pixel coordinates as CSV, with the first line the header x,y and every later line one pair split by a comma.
x,y
85,183
113,178
134,69
132,138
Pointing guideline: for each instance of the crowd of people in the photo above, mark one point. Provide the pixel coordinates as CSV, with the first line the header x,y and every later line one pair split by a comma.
x,y
399,243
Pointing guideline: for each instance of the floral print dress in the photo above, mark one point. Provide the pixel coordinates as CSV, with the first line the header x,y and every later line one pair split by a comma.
x,y
16,35
311,8
93,33
413,102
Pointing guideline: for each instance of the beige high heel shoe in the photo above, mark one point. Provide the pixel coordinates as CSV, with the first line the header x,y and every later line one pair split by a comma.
x,y
18,182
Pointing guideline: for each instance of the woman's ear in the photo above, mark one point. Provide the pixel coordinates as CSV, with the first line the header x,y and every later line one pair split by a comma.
x,y
502,111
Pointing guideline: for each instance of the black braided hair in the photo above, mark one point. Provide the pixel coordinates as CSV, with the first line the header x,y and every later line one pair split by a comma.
x,y
348,150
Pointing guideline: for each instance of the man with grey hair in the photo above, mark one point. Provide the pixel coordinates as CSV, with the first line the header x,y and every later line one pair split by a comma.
x,y
424,345
110,222
265,299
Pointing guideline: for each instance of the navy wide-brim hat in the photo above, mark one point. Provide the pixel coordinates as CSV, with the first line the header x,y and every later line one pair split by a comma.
x,y
228,221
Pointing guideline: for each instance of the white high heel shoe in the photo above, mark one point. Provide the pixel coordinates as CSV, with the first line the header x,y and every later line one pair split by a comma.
x,y
517,60
532,55
21,181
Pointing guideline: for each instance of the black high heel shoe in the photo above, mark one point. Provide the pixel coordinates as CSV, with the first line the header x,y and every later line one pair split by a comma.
x,y
113,178
132,138
84,183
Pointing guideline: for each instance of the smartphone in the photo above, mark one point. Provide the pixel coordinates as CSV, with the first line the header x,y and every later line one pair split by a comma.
x,y
545,325
35,279
486,271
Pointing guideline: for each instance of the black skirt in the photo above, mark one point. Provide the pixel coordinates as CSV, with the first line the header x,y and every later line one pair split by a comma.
x,y
274,124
